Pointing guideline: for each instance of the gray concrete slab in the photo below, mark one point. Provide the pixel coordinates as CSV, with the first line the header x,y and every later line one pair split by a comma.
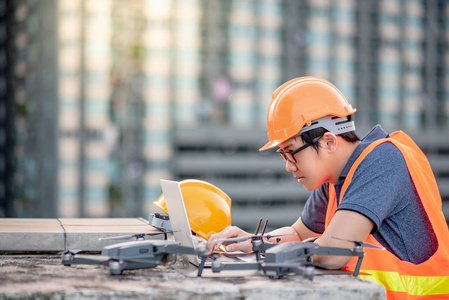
x,y
103,221
29,235
85,234
43,277
8,224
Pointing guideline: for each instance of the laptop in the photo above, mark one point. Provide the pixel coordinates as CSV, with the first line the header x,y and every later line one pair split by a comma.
x,y
180,221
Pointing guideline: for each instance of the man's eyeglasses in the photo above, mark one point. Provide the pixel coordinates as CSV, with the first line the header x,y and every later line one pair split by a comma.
x,y
289,156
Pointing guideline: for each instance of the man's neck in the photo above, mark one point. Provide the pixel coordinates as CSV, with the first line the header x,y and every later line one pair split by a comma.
x,y
344,153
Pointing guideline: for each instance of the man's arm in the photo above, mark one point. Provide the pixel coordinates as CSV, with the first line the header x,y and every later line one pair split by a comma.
x,y
348,225
297,232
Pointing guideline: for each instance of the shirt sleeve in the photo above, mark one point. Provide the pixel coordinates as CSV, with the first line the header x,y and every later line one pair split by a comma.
x,y
377,187
314,213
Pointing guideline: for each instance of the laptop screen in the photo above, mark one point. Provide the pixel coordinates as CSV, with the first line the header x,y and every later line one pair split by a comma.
x,y
178,216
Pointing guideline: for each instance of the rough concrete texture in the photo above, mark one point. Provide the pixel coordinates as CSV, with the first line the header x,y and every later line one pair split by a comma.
x,y
44,277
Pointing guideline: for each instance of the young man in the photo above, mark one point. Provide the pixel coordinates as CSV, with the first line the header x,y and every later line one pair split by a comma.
x,y
379,189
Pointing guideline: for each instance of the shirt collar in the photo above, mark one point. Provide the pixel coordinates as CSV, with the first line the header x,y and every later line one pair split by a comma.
x,y
375,134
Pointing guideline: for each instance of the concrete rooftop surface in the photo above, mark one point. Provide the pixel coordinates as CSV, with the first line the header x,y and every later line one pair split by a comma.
x,y
30,269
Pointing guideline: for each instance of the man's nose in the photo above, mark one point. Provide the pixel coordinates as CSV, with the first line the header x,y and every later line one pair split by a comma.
x,y
290,166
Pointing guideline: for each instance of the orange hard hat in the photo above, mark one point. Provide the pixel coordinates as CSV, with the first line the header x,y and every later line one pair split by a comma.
x,y
208,207
299,102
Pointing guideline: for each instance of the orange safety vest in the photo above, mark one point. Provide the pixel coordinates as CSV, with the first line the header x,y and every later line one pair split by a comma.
x,y
402,279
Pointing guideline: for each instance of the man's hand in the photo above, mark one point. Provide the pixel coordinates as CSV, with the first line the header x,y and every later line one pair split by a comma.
x,y
213,243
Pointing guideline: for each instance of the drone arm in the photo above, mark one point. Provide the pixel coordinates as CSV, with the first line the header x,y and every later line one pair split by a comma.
x,y
201,266
334,251
263,247
325,254
84,259
176,249
217,267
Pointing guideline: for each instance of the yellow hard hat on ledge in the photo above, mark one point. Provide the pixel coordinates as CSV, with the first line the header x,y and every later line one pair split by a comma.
x,y
207,206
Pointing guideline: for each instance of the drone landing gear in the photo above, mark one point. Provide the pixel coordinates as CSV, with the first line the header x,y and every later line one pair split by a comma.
x,y
67,259
115,267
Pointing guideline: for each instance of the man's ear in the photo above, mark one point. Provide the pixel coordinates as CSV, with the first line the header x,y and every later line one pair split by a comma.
x,y
330,142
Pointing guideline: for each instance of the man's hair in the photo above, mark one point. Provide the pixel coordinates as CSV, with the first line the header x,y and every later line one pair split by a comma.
x,y
308,136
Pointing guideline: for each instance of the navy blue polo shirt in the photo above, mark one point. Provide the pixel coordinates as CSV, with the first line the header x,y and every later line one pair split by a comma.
x,y
383,191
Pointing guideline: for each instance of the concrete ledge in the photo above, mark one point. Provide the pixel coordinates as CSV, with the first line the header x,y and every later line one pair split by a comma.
x,y
38,235
31,235
85,233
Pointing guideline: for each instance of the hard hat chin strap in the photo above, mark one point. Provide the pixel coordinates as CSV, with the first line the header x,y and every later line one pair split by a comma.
x,y
336,125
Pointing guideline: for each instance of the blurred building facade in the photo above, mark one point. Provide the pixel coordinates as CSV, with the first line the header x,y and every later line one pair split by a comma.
x,y
104,98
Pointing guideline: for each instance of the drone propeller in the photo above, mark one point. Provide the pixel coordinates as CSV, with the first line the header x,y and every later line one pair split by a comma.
x,y
137,236
359,243
72,251
245,238
68,255
235,239
263,228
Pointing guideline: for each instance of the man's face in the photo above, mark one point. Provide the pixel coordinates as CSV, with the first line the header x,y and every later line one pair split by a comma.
x,y
308,167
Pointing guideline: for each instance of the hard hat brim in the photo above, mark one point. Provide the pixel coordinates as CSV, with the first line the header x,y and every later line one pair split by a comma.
x,y
270,144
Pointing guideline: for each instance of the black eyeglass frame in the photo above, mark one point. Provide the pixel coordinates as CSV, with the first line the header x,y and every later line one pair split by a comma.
x,y
289,156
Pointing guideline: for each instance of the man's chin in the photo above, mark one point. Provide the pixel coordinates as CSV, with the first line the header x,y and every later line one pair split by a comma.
x,y
306,185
